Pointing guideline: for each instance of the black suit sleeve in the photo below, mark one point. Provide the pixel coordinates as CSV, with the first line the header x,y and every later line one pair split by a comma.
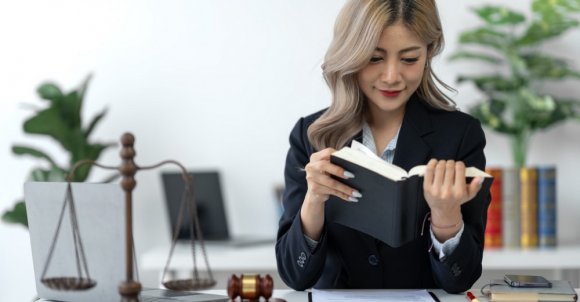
x,y
459,270
299,267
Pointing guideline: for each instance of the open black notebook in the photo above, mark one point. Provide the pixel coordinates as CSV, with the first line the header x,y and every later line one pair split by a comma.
x,y
392,207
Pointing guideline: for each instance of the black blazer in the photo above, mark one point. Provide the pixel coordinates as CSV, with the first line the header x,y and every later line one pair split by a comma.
x,y
345,258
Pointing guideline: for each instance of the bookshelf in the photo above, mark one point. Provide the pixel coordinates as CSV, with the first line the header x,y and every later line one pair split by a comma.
x,y
563,261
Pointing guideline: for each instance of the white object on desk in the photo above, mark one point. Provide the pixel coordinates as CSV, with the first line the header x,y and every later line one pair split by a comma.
x,y
101,217
295,296
371,295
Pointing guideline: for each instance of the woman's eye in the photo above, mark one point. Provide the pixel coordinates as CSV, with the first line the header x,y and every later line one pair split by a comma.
x,y
376,59
410,60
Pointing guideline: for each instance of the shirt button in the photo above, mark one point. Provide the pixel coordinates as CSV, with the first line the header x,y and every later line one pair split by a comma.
x,y
373,260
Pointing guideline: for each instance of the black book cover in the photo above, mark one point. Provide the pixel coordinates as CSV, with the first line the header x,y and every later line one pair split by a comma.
x,y
391,211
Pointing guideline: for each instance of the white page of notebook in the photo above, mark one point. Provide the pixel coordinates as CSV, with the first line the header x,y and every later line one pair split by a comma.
x,y
372,295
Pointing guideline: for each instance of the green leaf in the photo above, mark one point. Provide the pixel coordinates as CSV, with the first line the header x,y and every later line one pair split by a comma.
x,y
546,67
90,152
84,87
71,109
537,104
485,37
497,107
467,55
491,83
542,30
55,173
23,150
564,109
560,6
50,122
50,92
94,122
518,66
541,111
73,104
16,215
39,174
498,15
86,152
80,151
490,119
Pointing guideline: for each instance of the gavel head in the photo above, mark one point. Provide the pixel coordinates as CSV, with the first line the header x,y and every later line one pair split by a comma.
x,y
250,286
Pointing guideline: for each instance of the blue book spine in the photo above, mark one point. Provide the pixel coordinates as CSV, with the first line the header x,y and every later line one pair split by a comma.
x,y
547,233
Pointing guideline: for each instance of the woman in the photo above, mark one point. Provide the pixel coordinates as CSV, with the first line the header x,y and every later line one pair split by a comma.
x,y
378,68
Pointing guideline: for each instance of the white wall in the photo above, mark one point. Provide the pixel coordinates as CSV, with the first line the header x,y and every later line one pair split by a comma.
x,y
213,84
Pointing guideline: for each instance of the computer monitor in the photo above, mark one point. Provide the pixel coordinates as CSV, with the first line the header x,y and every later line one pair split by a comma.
x,y
210,204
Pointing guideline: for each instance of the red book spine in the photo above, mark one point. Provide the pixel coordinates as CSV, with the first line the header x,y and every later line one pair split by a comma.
x,y
493,229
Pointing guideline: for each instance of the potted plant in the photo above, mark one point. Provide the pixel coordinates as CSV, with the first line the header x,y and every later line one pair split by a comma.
x,y
62,121
515,104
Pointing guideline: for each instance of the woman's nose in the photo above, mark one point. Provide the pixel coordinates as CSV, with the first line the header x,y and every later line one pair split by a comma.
x,y
390,73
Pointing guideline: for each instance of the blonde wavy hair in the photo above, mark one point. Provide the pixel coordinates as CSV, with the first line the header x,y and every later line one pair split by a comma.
x,y
357,31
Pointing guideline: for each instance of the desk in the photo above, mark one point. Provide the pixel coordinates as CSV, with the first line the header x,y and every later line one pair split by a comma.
x,y
294,296
226,260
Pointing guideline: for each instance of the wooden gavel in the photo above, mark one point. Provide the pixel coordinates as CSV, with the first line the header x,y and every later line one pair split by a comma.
x,y
250,286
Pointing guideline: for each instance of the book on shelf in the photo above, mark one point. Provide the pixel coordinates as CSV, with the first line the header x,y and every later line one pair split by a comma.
x,y
561,290
493,228
511,207
529,207
392,207
546,206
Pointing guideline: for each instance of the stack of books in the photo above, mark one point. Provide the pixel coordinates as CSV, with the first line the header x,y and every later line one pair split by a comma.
x,y
522,212
561,290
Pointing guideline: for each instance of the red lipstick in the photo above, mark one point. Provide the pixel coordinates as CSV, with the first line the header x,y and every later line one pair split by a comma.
x,y
390,93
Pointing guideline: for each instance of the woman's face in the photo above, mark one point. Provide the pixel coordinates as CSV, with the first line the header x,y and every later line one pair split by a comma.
x,y
394,71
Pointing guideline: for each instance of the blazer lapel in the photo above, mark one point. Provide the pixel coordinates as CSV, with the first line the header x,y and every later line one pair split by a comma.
x,y
412,149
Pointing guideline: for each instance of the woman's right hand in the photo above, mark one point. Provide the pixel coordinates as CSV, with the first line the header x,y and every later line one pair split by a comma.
x,y
320,183
320,186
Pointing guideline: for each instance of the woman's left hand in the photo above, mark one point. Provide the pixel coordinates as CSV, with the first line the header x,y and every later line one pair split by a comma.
x,y
445,190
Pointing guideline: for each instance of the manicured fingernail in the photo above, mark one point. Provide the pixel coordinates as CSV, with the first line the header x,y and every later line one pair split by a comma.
x,y
356,194
348,174
352,199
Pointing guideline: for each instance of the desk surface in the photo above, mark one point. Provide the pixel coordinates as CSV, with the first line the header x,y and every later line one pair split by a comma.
x,y
295,296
